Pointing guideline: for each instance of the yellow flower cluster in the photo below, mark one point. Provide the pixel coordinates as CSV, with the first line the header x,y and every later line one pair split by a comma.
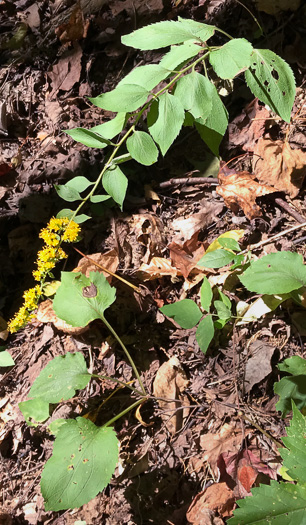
x,y
56,232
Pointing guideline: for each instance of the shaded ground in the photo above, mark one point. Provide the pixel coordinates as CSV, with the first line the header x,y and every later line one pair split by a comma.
x,y
46,76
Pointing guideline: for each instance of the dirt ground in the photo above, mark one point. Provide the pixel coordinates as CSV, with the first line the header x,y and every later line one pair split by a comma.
x,y
184,469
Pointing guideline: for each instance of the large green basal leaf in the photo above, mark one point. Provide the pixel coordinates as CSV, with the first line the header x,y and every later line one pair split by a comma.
x,y
81,299
83,461
294,455
142,148
195,93
275,273
275,504
127,97
232,58
60,379
186,313
165,120
272,81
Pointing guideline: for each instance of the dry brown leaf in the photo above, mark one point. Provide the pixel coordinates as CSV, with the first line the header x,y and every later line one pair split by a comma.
x,y
67,71
218,498
75,29
258,365
276,164
186,228
158,267
241,190
273,7
108,260
169,383
227,440
46,314
248,126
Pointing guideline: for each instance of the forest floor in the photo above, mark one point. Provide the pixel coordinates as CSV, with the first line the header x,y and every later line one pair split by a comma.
x,y
54,55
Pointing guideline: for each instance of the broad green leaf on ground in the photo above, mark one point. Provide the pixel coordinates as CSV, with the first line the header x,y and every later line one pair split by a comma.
x,y
294,455
6,358
83,461
185,313
276,273
146,76
87,137
142,148
34,411
82,299
179,55
216,259
165,120
292,388
195,92
272,81
79,183
205,333
61,378
294,365
66,193
277,504
127,97
115,184
113,127
232,58
206,294
212,130
223,311
69,214
167,33
260,307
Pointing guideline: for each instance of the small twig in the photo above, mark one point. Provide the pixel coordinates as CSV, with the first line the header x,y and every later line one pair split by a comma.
x,y
295,214
274,237
187,181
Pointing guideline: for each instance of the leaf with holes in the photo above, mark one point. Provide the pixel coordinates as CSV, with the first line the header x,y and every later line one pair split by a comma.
x,y
83,461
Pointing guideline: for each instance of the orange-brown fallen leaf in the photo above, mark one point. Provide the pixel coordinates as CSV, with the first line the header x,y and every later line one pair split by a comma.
x,y
241,190
108,260
277,164
218,498
158,267
46,314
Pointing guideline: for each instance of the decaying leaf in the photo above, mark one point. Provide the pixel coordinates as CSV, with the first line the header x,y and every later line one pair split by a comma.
x,y
217,498
241,190
45,314
258,365
273,7
158,267
169,383
108,260
186,228
227,440
67,71
182,260
248,126
277,164
75,29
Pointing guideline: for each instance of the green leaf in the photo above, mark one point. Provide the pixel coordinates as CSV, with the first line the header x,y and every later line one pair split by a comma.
x,y
165,120
216,259
66,193
83,461
178,55
225,300
212,129
99,198
185,313
55,425
127,97
87,137
272,81
71,302
206,294
195,92
112,128
230,244
34,411
277,504
115,184
142,148
288,389
70,214
79,183
294,365
6,358
294,456
148,76
205,333
223,311
167,33
61,378
276,273
232,58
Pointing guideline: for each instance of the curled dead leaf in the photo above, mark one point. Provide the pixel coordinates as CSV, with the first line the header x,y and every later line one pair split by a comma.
x,y
46,314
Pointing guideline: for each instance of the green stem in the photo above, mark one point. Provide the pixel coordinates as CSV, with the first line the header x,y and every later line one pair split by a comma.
x,y
119,382
224,33
111,421
126,353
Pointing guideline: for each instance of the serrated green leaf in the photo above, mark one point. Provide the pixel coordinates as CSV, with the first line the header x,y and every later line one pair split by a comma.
x,y
276,273
167,33
274,504
212,129
66,193
113,127
232,58
87,137
79,219
34,411
61,378
223,311
148,76
205,333
288,389
195,92
165,120
142,148
206,294
216,259
115,184
83,461
99,198
272,81
178,55
79,183
72,303
185,313
294,455
6,358
127,97
294,365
